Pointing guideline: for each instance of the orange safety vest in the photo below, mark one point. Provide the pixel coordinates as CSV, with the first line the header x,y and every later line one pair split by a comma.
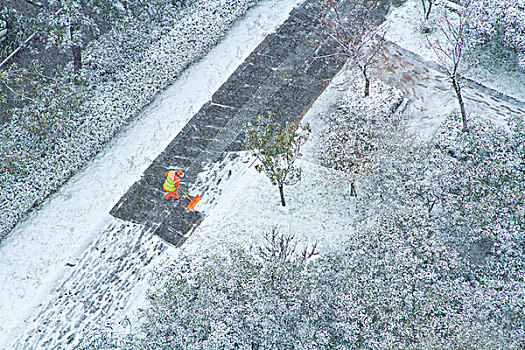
x,y
171,185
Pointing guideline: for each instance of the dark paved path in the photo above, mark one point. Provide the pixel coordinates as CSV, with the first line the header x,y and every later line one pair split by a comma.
x,y
281,76
97,288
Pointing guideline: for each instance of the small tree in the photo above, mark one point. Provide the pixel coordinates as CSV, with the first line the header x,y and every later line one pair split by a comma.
x,y
277,149
451,50
352,26
427,7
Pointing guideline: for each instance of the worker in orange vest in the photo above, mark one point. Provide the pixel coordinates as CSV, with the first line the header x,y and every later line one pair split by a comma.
x,y
172,182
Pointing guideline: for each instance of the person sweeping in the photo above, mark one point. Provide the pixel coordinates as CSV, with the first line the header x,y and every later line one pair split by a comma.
x,y
172,183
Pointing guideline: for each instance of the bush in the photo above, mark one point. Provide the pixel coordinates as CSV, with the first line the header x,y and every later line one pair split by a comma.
x,y
500,21
356,129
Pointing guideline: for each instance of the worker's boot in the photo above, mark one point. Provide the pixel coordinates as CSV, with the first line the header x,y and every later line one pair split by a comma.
x,y
173,194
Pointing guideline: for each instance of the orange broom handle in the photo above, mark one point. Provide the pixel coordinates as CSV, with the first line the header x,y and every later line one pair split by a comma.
x,y
185,194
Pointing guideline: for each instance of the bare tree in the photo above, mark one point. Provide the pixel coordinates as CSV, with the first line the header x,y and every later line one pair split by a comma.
x,y
427,7
282,247
352,27
451,51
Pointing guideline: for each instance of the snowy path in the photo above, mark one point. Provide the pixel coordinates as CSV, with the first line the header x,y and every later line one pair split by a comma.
x,y
92,294
496,90
431,95
32,259
281,75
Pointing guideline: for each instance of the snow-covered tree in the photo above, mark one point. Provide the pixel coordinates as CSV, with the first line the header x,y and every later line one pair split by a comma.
x,y
69,27
45,101
427,6
277,148
351,30
355,130
451,51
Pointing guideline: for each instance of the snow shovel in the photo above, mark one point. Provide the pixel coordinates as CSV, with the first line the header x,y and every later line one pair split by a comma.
x,y
193,202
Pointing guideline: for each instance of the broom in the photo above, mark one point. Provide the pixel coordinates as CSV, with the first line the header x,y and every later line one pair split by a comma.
x,y
191,205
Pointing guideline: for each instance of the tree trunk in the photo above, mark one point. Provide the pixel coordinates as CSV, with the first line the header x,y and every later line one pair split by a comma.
x,y
281,192
424,6
427,15
457,89
77,62
367,82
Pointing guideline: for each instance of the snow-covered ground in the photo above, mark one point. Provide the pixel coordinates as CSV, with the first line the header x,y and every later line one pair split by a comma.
x,y
404,28
319,208
33,256
409,63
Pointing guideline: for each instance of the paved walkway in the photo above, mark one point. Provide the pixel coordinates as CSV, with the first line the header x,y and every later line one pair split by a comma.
x,y
281,76
92,294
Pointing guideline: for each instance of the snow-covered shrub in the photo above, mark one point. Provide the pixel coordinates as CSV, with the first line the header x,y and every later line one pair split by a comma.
x,y
355,130
483,197
470,189
472,184
502,22
237,301
396,284
283,247
406,287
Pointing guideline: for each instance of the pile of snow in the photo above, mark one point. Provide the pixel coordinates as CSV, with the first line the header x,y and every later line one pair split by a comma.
x,y
117,88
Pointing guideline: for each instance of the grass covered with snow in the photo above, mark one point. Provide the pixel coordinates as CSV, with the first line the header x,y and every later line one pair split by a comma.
x,y
119,81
